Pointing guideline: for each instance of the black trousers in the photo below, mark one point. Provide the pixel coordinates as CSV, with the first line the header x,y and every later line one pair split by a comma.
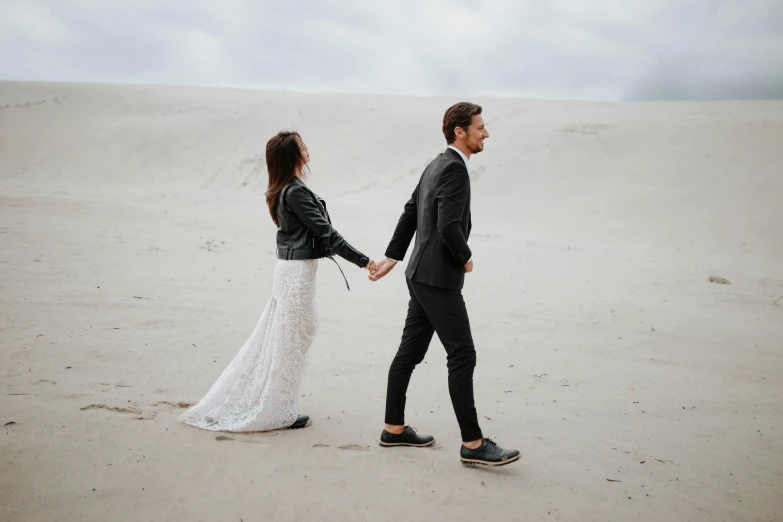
x,y
443,311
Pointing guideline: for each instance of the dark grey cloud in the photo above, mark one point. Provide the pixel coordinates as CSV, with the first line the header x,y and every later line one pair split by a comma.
x,y
611,49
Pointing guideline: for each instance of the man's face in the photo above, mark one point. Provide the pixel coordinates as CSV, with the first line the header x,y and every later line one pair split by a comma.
x,y
476,134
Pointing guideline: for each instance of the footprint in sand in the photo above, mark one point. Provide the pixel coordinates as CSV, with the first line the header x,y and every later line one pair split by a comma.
x,y
255,167
180,404
414,172
352,447
74,396
211,245
220,438
120,409
476,174
131,410
102,386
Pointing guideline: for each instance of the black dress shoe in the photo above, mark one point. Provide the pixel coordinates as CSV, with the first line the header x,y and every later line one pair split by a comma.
x,y
302,421
408,437
488,454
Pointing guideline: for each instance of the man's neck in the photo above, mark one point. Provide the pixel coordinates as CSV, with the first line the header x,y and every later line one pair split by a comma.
x,y
462,148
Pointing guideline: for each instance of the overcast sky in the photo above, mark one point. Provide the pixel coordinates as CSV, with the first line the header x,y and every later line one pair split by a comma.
x,y
603,49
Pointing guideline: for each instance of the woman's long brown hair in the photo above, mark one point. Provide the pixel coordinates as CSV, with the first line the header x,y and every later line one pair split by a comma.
x,y
284,162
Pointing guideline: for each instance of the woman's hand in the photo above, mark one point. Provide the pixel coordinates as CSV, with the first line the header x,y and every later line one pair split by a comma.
x,y
372,266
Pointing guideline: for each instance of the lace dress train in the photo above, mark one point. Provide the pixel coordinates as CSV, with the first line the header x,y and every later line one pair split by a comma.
x,y
259,390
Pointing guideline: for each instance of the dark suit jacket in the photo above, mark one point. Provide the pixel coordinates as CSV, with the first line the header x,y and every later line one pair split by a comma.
x,y
439,214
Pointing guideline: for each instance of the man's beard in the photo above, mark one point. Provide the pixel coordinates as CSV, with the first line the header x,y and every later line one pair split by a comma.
x,y
476,148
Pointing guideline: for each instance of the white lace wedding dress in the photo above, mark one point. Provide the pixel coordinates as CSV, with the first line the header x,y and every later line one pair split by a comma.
x,y
259,390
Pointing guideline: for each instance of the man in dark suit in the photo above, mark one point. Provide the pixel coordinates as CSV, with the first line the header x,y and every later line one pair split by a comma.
x,y
438,214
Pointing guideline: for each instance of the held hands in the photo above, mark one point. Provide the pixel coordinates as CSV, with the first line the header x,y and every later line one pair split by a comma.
x,y
469,267
372,267
381,269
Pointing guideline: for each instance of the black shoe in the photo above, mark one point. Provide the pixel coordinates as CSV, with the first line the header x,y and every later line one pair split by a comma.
x,y
408,437
488,454
302,421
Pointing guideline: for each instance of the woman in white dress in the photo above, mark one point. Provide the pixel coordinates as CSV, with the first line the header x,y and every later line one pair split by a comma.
x,y
259,390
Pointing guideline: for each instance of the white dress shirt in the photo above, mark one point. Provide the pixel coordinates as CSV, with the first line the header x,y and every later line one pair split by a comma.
x,y
467,166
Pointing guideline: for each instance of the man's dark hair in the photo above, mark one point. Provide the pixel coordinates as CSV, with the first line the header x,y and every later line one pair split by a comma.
x,y
459,115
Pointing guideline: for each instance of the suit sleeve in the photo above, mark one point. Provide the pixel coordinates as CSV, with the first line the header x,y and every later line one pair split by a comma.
x,y
307,210
451,193
406,228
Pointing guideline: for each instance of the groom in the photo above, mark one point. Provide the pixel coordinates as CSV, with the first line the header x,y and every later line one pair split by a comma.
x,y
439,214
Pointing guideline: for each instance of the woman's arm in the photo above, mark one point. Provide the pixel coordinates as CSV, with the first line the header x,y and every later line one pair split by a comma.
x,y
308,211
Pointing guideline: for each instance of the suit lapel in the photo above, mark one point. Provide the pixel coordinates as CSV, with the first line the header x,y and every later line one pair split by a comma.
x,y
455,155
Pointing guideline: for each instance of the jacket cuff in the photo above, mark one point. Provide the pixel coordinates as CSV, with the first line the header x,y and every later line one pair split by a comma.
x,y
394,255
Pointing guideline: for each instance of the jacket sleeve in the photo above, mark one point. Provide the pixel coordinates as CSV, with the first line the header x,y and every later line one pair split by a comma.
x,y
451,193
406,228
307,210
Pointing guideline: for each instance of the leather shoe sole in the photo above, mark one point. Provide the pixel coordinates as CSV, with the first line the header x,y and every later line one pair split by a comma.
x,y
393,444
489,463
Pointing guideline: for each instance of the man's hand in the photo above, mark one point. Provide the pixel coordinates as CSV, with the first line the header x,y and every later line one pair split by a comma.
x,y
382,268
469,267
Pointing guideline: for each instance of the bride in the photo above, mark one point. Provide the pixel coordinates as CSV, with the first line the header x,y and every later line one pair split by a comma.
x,y
259,390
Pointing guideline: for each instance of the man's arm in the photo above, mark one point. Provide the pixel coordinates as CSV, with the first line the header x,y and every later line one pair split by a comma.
x,y
401,240
406,228
451,193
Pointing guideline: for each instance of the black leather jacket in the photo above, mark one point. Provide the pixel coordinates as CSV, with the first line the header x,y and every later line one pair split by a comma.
x,y
306,231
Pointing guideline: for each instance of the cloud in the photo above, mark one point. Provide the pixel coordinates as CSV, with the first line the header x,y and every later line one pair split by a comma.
x,y
727,51
611,49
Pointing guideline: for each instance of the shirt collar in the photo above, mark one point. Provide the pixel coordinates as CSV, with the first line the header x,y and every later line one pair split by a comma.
x,y
461,155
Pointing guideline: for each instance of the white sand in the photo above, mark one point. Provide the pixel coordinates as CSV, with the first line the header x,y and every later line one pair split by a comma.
x,y
136,255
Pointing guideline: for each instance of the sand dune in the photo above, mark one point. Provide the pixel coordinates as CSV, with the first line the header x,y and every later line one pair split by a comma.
x,y
136,255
